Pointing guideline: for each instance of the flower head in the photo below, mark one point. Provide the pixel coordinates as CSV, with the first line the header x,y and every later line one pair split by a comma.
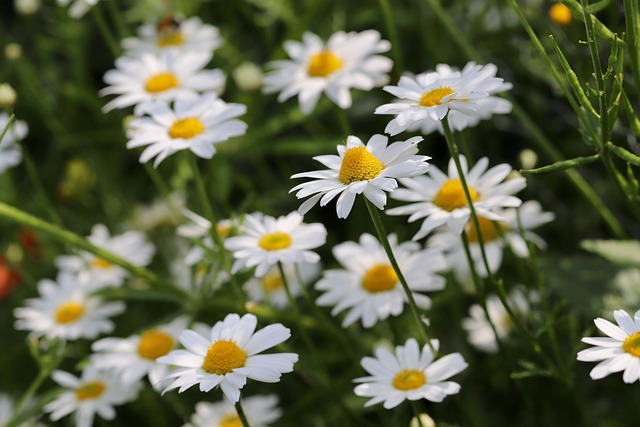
x,y
428,97
358,169
259,410
228,356
347,60
79,7
409,374
270,287
10,153
619,351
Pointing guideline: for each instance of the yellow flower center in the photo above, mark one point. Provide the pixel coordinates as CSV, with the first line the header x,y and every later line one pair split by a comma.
x,y
69,312
379,278
359,164
632,344
90,390
230,420
223,357
408,379
489,230
560,14
101,263
170,38
432,98
186,128
451,195
154,343
223,230
324,63
272,281
275,241
161,82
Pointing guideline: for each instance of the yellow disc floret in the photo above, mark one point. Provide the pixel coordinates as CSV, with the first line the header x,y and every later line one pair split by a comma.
x,y
489,230
272,281
161,82
451,195
380,278
560,14
154,343
223,357
409,379
170,38
231,420
324,63
69,312
275,241
90,390
359,164
632,344
101,263
434,97
186,128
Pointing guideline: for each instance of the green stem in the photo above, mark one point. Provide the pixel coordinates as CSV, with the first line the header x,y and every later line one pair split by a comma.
x,y
10,122
416,412
111,42
396,51
241,415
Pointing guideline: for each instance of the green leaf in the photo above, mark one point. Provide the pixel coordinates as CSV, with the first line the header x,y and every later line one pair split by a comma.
x,y
563,165
624,252
598,6
624,154
530,370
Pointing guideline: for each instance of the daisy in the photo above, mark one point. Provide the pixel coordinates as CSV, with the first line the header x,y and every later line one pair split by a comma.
x,y
440,198
409,374
194,124
228,356
135,357
432,95
270,287
79,8
619,351
514,230
198,229
486,107
166,76
259,410
266,241
190,34
132,246
347,60
162,212
94,392
65,310
369,287
479,329
358,169
10,153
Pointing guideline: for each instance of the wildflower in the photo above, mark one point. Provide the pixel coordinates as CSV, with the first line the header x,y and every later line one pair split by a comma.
x,y
248,76
560,14
625,291
259,410
430,96
369,286
267,240
270,287
162,212
358,169
135,357
199,228
619,351
479,329
10,153
228,356
440,198
190,34
65,310
348,60
27,7
95,272
165,76
8,96
94,392
409,374
194,124
79,8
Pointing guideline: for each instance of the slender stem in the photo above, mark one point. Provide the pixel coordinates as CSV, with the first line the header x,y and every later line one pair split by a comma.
x,y
416,412
111,42
241,415
10,122
384,240
396,50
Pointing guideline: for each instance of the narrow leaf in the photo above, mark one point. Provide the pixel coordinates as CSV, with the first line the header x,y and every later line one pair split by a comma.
x,y
563,165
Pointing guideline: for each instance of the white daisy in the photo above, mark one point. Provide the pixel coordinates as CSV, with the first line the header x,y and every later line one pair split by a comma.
x,y
65,310
358,169
97,273
348,60
79,8
190,34
194,124
266,240
259,410
10,153
94,392
228,356
270,288
440,198
198,229
619,351
430,96
486,107
408,375
369,287
135,357
514,230
166,76
162,212
479,329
